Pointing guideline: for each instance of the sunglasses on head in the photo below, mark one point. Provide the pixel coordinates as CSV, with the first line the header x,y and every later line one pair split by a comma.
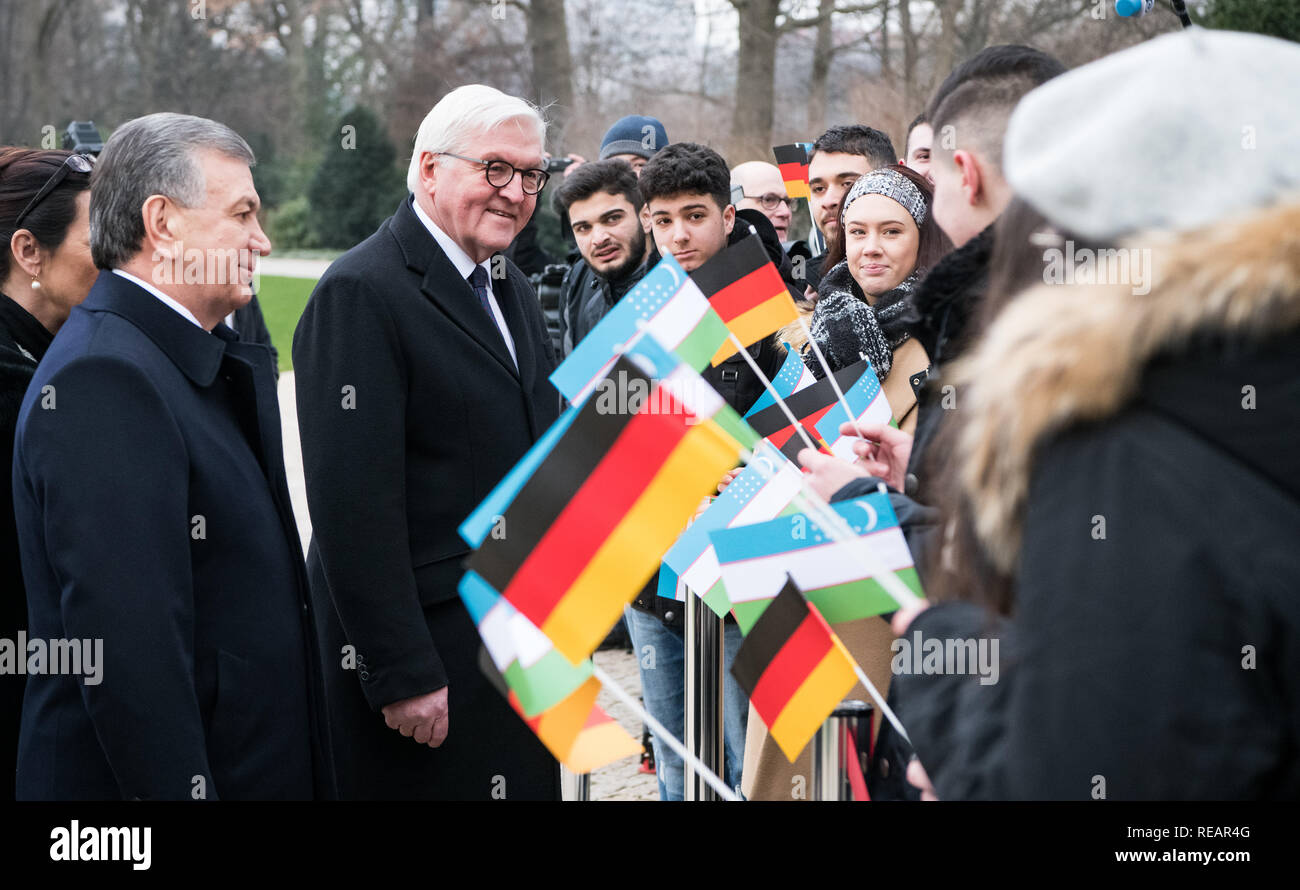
x,y
71,164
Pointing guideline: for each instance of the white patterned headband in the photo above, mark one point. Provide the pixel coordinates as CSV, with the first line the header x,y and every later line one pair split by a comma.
x,y
891,184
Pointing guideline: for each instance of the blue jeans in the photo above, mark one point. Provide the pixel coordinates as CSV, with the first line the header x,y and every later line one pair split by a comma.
x,y
661,660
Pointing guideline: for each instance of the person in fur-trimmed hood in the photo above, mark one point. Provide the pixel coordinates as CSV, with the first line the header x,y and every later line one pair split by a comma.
x,y
1128,485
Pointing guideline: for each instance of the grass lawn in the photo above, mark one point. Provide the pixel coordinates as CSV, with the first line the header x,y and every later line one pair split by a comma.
x,y
283,300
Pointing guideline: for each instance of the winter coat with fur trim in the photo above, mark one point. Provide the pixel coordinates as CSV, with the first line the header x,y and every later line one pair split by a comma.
x,y
1131,461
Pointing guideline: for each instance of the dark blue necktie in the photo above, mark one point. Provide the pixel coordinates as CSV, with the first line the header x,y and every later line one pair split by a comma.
x,y
478,279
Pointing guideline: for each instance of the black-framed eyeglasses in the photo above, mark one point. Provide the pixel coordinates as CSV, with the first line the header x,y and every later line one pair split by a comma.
x,y
500,174
71,164
771,199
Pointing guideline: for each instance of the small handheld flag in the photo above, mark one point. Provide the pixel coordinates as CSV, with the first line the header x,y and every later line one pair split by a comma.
x,y
754,560
812,404
792,160
669,305
794,670
866,403
747,292
539,677
576,731
793,376
753,496
588,527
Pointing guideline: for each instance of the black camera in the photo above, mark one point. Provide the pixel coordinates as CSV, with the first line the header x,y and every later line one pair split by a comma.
x,y
557,165
82,137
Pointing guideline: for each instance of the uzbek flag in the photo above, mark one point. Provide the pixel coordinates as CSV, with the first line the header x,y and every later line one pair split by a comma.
x,y
792,160
539,676
577,732
817,408
867,402
793,376
747,292
794,670
754,560
588,527
668,586
764,490
674,312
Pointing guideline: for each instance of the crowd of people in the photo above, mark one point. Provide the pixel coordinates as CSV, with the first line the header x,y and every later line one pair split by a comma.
x,y
1082,302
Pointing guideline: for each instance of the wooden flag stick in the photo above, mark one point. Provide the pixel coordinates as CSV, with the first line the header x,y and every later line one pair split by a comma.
x,y
880,701
785,409
835,384
664,735
838,529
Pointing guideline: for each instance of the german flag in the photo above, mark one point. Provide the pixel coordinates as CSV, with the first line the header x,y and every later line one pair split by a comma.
x,y
810,406
794,669
746,290
588,528
576,731
792,160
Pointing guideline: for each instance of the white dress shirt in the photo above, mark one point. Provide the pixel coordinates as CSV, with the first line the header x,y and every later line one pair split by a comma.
x,y
185,313
465,266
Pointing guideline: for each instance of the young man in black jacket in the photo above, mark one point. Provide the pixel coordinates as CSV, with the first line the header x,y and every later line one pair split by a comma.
x,y
687,191
604,211
633,140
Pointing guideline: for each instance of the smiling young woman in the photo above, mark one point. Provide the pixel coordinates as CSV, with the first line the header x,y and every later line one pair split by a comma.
x,y
886,242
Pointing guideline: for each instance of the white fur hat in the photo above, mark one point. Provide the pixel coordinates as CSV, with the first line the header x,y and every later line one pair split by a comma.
x,y
1173,134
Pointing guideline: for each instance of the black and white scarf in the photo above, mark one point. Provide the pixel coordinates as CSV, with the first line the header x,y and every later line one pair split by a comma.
x,y
847,329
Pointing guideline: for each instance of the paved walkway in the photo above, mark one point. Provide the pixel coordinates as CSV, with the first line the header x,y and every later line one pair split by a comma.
x,y
620,780
293,268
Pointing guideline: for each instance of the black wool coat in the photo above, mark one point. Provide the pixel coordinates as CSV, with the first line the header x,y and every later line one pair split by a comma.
x,y
153,514
411,411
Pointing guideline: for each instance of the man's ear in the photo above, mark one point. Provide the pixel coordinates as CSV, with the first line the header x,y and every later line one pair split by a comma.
x,y
428,171
645,218
729,217
163,227
972,176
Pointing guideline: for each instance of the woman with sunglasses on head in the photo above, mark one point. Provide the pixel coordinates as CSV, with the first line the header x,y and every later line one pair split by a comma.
x,y
45,270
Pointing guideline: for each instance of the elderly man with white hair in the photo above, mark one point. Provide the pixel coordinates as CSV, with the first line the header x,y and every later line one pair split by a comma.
x,y
422,362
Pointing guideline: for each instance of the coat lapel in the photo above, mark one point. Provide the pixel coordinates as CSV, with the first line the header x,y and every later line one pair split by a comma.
x,y
444,286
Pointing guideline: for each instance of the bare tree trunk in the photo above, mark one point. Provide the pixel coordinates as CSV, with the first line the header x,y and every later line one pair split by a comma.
x,y
821,69
751,127
946,51
548,37
909,58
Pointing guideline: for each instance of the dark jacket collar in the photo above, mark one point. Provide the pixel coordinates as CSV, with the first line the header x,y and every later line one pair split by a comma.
x,y
614,290
443,285
950,296
20,331
193,350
